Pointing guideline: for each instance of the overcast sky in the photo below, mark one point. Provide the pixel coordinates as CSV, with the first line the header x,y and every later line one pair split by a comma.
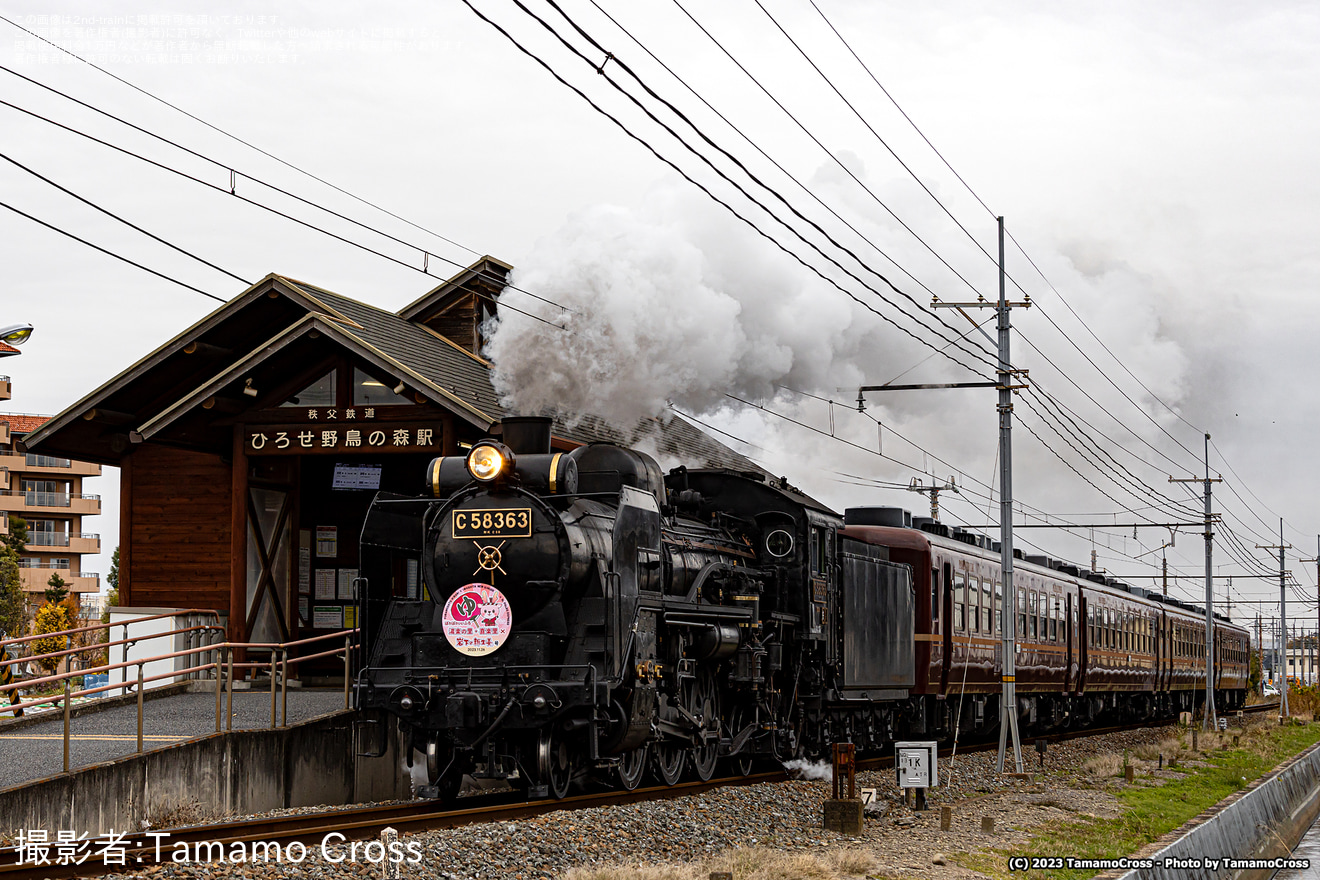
x,y
1156,161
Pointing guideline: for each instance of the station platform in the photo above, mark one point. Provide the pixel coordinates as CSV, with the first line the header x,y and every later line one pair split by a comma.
x,y
32,747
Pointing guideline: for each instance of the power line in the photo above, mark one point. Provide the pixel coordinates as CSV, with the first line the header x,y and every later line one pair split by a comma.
x,y
235,175
1016,243
706,190
128,223
234,194
240,140
109,253
923,316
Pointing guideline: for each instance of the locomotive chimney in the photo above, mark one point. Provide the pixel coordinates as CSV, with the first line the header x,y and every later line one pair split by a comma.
x,y
527,435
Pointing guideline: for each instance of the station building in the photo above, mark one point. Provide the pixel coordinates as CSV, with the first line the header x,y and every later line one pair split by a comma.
x,y
251,444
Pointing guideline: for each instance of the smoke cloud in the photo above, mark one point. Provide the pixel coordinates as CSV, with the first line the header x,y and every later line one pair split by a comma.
x,y
674,305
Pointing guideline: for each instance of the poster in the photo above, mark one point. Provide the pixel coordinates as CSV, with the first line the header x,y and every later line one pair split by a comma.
x,y
304,562
304,608
325,583
328,617
350,617
327,542
346,578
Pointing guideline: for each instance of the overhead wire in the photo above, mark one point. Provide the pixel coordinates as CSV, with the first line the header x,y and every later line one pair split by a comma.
x,y
240,140
710,194
234,194
110,253
11,160
988,210
232,170
923,316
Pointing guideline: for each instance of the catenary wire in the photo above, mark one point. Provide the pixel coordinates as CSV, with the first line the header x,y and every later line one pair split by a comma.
x,y
257,204
923,316
110,253
654,152
274,188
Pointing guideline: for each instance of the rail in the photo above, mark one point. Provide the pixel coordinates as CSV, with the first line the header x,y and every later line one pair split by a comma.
x,y
221,667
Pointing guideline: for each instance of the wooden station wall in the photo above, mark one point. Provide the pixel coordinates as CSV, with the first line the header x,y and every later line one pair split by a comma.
x,y
175,547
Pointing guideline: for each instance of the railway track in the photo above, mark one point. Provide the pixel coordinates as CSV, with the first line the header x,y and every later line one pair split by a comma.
x,y
142,849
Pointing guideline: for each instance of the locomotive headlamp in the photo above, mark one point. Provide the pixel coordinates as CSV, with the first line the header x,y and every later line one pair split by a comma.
x,y
488,461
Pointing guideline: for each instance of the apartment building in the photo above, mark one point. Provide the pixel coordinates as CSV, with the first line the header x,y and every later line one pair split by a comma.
x,y
47,492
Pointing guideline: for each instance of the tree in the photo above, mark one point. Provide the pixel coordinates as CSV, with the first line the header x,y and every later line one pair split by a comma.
x,y
113,577
17,538
57,589
13,617
13,612
51,617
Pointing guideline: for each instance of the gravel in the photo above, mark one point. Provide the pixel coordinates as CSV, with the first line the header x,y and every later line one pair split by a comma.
x,y
782,816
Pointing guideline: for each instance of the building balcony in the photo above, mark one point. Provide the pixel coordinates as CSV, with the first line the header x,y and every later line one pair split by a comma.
x,y
4,430
53,503
75,543
6,389
48,465
37,579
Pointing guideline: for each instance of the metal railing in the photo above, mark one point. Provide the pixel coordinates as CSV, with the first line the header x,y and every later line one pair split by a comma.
x,y
221,666
62,497
58,539
31,459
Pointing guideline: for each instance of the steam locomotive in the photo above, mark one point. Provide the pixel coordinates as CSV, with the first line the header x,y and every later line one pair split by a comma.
x,y
544,618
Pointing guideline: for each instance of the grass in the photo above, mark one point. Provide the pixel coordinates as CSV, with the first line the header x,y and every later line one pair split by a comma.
x,y
745,863
1150,811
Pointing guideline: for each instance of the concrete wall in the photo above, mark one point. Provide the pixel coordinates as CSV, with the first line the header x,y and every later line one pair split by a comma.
x,y
1264,823
237,772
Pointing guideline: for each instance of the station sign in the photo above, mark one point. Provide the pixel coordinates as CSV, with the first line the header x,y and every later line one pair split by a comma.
x,y
338,438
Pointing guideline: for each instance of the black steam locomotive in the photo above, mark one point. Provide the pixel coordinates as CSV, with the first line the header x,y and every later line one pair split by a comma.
x,y
581,613
543,617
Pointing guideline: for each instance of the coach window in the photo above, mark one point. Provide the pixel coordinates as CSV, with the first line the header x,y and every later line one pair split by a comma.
x,y
1034,623
1022,614
935,598
974,604
999,607
1054,619
987,607
959,600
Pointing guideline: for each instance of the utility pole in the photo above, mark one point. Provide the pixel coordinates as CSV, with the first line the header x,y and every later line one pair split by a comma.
x,y
1260,652
1008,711
934,492
1317,590
1283,617
1208,721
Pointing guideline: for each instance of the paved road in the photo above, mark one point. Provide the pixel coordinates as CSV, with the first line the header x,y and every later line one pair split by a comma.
x,y
37,751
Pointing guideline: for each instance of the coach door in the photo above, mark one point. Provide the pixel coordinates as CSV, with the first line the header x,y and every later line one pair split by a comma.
x,y
946,622
1068,643
1083,640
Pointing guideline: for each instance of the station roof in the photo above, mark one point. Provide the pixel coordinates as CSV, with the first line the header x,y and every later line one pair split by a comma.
x,y
282,331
